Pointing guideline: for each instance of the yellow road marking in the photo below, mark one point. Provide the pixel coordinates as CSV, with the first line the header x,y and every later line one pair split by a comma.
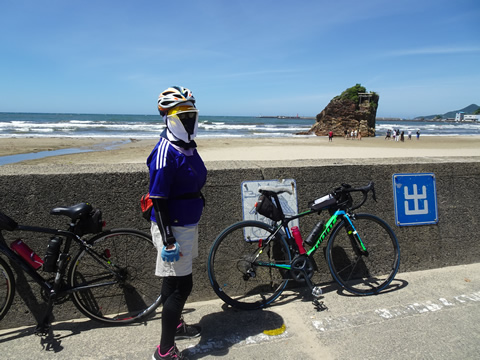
x,y
274,332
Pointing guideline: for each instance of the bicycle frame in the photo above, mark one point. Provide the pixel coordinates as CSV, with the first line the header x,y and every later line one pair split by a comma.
x,y
330,225
17,259
53,289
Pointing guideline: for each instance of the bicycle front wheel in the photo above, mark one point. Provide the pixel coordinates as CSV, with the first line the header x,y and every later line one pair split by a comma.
x,y
241,265
7,288
363,271
118,276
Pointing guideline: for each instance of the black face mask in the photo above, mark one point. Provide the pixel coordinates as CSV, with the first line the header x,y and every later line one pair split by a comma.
x,y
188,120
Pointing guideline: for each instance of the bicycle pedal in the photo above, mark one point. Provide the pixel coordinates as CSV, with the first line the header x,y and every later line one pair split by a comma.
x,y
42,330
317,291
319,305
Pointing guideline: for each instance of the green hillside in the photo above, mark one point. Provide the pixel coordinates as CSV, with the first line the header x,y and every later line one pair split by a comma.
x,y
470,109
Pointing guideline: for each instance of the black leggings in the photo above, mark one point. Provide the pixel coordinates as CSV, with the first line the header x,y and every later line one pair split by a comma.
x,y
175,291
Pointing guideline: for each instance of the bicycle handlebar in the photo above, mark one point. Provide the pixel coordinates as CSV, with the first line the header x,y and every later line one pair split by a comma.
x,y
346,189
339,198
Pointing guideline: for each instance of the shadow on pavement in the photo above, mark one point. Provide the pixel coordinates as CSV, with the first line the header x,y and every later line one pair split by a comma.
x,y
223,330
53,340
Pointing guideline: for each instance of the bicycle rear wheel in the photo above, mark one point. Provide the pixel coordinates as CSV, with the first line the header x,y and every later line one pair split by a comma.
x,y
7,288
363,272
238,265
119,273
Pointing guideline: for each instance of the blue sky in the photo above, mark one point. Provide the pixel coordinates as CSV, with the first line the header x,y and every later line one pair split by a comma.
x,y
238,57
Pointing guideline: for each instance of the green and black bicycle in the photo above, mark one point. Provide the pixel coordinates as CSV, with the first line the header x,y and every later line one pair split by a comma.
x,y
251,262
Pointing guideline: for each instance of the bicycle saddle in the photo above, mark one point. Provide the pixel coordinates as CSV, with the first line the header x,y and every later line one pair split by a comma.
x,y
74,212
275,189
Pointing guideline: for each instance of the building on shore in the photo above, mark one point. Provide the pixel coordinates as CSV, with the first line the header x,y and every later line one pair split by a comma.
x,y
461,116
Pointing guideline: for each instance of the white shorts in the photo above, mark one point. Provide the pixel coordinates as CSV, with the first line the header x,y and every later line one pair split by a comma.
x,y
187,238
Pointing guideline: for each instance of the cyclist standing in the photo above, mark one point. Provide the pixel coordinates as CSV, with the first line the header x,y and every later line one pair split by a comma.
x,y
177,175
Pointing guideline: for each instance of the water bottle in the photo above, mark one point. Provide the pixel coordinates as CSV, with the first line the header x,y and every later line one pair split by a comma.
x,y
51,255
298,239
317,230
27,254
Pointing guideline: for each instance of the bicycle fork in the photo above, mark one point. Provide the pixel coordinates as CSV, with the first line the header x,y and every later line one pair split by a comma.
x,y
355,239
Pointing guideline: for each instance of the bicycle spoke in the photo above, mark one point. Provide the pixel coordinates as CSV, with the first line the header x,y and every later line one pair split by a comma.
x,y
130,268
7,288
360,271
255,282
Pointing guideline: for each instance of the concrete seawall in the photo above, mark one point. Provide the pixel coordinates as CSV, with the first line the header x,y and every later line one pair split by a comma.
x,y
29,192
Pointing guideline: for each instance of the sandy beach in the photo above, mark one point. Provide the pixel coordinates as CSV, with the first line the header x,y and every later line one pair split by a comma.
x,y
116,151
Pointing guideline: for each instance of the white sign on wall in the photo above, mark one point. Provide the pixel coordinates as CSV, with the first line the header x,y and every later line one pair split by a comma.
x,y
250,196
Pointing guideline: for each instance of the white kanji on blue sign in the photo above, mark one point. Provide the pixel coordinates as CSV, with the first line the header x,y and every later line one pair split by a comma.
x,y
415,197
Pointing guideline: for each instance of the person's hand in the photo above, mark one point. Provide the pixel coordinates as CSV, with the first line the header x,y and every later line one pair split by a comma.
x,y
171,253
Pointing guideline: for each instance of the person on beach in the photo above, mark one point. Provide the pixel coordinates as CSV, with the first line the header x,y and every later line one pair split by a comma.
x,y
409,134
177,175
345,133
330,135
418,134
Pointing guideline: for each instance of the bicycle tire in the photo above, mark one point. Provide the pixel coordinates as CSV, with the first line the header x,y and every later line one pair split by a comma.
x,y
7,288
360,273
237,280
127,260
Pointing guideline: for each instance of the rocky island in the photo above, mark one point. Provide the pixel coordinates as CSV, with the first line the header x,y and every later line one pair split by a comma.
x,y
354,109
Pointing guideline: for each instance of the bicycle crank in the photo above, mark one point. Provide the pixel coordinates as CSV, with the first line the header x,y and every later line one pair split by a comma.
x,y
58,299
302,268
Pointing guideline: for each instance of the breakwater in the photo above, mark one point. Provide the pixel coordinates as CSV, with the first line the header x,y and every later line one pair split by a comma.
x,y
28,193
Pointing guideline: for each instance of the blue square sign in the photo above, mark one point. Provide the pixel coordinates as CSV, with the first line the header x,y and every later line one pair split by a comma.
x,y
415,198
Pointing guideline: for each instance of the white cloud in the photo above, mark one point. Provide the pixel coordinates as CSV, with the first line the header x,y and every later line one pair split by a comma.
x,y
435,50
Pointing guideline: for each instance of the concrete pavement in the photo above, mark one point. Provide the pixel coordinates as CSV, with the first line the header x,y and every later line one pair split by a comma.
x,y
432,314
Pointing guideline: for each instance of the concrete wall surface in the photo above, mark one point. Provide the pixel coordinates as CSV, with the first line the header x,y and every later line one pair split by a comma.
x,y
29,192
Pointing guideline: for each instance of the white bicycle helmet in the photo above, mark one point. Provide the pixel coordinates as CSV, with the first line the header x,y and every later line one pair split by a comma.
x,y
172,97
177,108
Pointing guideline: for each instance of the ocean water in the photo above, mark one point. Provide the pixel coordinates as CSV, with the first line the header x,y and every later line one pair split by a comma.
x,y
20,125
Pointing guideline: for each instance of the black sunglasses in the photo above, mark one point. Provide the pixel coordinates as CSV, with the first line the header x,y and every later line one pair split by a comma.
x,y
188,115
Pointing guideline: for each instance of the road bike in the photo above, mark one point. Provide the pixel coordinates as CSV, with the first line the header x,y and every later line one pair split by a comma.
x,y
110,279
251,262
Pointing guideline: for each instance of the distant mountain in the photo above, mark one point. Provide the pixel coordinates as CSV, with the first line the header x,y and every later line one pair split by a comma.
x,y
451,114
